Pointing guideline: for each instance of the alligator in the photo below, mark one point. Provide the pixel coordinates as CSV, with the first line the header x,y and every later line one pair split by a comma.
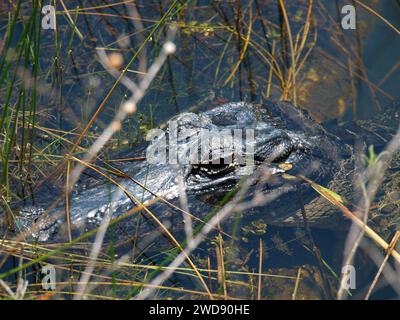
x,y
207,154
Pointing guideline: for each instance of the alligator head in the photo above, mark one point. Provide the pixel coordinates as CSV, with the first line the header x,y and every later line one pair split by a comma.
x,y
213,150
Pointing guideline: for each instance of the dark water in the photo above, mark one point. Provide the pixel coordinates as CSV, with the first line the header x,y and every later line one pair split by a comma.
x,y
74,85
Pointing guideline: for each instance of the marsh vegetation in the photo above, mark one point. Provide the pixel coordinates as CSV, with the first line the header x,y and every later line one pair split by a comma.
x,y
78,98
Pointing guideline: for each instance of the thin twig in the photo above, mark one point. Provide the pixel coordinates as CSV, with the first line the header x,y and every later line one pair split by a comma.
x,y
392,245
260,270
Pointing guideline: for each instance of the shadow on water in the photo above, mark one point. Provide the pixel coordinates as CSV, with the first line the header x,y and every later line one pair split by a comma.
x,y
348,74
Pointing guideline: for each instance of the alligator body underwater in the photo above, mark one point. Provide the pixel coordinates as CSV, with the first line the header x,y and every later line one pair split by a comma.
x,y
211,152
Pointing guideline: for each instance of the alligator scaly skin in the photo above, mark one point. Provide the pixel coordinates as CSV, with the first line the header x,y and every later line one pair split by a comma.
x,y
326,157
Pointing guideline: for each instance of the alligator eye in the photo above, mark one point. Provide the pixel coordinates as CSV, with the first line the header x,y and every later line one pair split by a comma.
x,y
213,170
282,157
